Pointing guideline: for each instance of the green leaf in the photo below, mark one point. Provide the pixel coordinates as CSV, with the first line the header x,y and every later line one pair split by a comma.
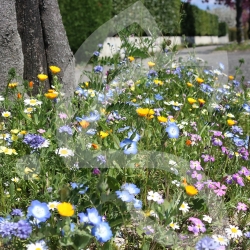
x,y
81,241
113,183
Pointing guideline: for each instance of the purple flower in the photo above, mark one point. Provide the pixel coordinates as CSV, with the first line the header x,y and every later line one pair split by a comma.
x,y
195,165
207,243
197,226
67,129
96,171
210,184
152,73
196,175
17,212
224,150
229,179
247,234
33,140
23,230
7,228
199,185
238,142
207,158
220,189
98,69
237,130
216,142
244,171
242,207
217,133
238,179
96,53
101,159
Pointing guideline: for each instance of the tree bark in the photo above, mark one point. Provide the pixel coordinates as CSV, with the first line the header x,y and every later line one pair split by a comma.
x,y
240,34
56,42
30,30
10,43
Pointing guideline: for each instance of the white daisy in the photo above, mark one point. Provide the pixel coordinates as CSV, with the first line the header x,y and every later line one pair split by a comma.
x,y
29,110
233,232
64,152
32,102
174,225
223,241
45,144
207,218
53,205
184,207
6,114
40,245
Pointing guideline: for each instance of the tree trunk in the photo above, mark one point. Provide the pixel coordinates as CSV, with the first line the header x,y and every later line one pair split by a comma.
x,y
30,30
57,47
10,43
240,34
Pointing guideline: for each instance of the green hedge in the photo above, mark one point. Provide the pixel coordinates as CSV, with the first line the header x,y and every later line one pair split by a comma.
x,y
82,17
197,22
223,29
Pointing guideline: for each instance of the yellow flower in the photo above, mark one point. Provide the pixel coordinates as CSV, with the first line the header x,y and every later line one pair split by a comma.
x,y
103,134
6,114
191,100
158,82
51,94
55,69
14,131
145,112
19,189
84,124
133,100
189,84
131,58
191,190
151,64
199,80
248,177
65,209
13,85
86,84
27,170
201,101
231,122
14,138
230,77
42,77
162,119
23,132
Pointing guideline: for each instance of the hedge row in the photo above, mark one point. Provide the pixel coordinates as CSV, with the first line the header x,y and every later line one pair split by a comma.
x,y
197,22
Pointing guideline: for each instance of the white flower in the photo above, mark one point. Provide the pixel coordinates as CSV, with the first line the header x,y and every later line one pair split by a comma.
x,y
29,110
207,218
32,102
230,115
171,162
174,225
223,241
177,183
184,207
174,170
45,144
154,196
1,98
217,72
233,232
53,205
64,152
16,179
40,245
6,114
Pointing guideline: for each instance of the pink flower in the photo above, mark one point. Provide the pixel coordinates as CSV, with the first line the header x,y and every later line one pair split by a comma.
x,y
41,131
63,116
242,206
195,165
197,176
221,189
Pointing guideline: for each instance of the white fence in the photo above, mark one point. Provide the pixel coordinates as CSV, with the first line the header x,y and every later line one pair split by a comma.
x,y
112,44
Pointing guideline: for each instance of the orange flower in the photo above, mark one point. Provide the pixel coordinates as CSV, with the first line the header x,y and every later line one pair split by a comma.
x,y
145,112
94,146
189,84
131,58
191,190
51,95
84,124
19,95
188,142
31,84
65,209
162,119
191,100
230,77
201,101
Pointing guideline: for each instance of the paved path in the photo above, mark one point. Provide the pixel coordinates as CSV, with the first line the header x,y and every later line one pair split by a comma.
x,y
229,59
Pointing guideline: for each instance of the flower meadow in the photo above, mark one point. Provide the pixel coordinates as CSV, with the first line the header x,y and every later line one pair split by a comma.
x,y
151,156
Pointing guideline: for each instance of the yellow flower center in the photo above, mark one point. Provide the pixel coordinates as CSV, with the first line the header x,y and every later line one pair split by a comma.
x,y
234,230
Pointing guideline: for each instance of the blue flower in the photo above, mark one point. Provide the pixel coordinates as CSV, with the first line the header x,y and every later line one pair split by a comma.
x,y
123,129
98,69
96,53
17,212
131,188
158,97
136,136
67,129
207,243
93,216
246,107
91,131
173,131
33,140
83,218
102,232
24,229
238,142
137,203
39,211
247,234
128,146
79,186
206,88
124,195
93,117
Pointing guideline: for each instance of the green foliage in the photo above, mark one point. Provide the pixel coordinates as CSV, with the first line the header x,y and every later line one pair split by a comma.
x,y
197,22
223,29
82,18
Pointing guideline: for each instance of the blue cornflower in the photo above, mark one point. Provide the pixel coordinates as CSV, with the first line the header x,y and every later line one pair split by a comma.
x,y
67,129
158,97
102,232
34,141
206,88
128,146
124,195
236,83
98,69
39,210
96,53
83,218
93,216
17,212
246,107
7,228
238,142
93,117
24,229
207,243
247,234
152,73
173,131
131,188
237,130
